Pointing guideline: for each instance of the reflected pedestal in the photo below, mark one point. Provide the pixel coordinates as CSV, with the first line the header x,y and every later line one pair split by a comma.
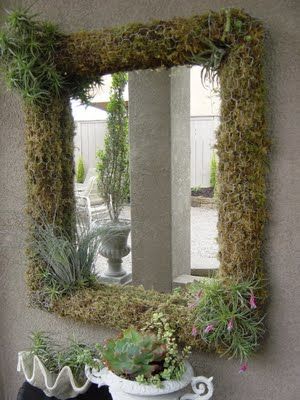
x,y
117,280
159,134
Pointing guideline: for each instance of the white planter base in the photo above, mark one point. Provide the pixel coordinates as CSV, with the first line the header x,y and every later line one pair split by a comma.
x,y
116,394
122,389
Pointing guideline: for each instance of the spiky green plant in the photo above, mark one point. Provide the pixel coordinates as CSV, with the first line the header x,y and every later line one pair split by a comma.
x,y
76,355
44,347
134,354
113,163
69,264
210,60
228,316
80,171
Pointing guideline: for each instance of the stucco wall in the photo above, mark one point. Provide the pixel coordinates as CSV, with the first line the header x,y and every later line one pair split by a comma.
x,y
274,373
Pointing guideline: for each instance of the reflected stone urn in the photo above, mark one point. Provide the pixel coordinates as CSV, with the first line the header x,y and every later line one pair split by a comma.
x,y
114,247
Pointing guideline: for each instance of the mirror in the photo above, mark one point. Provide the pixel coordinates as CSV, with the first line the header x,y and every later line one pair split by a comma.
x,y
228,43
107,116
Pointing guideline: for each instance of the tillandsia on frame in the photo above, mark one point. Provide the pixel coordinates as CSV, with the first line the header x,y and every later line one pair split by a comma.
x,y
48,67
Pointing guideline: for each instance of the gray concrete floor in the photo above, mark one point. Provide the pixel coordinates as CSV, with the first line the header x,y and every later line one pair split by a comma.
x,y
204,246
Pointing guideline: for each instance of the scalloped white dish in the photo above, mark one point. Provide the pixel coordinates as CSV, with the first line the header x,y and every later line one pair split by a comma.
x,y
62,385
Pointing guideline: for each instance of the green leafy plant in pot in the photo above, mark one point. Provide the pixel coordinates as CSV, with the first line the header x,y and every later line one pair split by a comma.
x,y
146,363
113,177
57,371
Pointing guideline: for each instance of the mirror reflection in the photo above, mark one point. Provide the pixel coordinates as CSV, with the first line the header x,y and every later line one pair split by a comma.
x,y
102,174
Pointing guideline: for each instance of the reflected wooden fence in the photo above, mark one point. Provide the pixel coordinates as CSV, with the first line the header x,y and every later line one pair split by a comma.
x,y
90,137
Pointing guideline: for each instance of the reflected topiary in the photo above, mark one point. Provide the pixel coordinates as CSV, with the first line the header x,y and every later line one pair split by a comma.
x,y
113,160
80,172
213,171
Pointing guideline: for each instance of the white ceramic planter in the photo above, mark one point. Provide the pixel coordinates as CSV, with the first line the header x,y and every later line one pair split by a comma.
x,y
62,385
123,389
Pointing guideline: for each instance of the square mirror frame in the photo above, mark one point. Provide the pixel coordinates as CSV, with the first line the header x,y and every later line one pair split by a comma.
x,y
229,44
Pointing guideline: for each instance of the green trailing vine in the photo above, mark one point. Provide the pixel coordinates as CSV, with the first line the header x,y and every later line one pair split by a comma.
x,y
48,67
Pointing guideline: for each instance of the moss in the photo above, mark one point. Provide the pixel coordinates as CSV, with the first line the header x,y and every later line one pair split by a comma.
x,y
68,169
228,43
50,175
120,307
153,45
242,146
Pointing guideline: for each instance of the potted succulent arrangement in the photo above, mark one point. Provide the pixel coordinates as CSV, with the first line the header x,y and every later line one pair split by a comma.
x,y
147,365
113,178
58,372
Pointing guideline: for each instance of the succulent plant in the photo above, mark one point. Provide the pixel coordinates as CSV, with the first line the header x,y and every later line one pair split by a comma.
x,y
134,354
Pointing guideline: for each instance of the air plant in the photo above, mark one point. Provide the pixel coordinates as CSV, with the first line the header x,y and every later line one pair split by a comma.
x,y
228,316
210,60
27,55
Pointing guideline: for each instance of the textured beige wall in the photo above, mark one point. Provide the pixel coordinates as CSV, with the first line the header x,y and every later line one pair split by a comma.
x,y
274,372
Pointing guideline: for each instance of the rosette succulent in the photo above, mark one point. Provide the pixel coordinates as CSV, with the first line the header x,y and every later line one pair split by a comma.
x,y
149,357
134,354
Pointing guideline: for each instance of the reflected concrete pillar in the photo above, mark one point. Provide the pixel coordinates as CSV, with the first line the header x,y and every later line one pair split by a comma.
x,y
159,127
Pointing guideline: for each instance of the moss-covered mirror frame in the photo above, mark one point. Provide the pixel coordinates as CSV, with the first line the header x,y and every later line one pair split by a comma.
x,y
228,43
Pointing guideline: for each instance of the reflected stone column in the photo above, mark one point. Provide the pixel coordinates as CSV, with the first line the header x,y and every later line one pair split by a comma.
x,y
159,127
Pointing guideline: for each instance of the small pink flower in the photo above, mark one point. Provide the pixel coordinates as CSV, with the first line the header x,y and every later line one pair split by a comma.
x,y
193,305
252,301
196,301
243,368
194,331
209,328
230,325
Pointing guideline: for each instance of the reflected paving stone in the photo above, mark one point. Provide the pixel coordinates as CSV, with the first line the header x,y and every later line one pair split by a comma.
x,y
117,280
184,279
205,266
